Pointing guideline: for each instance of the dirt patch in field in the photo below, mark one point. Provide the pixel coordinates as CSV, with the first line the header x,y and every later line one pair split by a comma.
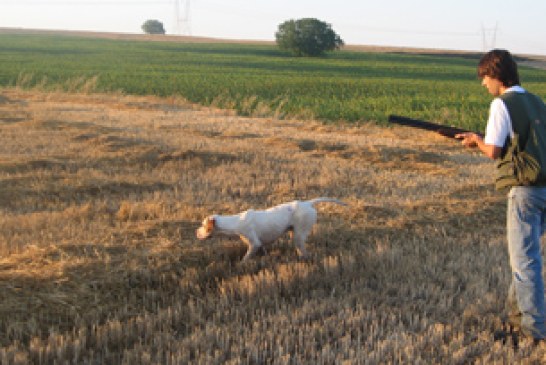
x,y
534,63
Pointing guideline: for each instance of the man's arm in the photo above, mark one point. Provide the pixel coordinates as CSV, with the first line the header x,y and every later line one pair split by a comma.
x,y
472,140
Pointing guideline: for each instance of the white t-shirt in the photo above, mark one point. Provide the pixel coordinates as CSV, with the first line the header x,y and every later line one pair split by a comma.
x,y
499,124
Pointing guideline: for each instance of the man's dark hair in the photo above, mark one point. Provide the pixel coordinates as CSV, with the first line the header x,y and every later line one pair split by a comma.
x,y
499,64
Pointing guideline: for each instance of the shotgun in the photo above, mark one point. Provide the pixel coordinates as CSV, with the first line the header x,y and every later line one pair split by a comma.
x,y
444,130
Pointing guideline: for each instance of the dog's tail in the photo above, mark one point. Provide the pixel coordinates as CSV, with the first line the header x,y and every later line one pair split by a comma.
x,y
326,200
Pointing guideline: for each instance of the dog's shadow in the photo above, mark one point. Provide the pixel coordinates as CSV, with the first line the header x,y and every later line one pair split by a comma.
x,y
232,250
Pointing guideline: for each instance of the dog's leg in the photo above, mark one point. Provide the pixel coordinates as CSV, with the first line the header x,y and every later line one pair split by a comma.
x,y
252,250
303,225
299,239
254,247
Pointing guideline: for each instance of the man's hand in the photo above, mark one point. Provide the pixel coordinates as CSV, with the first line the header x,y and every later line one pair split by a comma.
x,y
473,140
469,139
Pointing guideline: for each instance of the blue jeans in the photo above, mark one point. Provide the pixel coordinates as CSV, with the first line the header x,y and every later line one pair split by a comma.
x,y
526,217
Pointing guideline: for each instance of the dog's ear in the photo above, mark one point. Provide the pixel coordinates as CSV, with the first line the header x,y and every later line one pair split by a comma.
x,y
210,223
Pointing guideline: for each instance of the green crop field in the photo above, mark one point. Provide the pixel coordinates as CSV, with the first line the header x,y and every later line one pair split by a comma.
x,y
259,80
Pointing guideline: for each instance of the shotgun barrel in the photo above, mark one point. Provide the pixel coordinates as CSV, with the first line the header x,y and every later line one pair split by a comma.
x,y
444,130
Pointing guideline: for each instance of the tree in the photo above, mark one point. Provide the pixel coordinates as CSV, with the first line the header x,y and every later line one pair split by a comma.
x,y
153,26
307,37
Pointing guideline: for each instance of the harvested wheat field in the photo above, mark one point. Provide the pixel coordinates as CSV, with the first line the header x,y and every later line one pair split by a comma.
x,y
100,196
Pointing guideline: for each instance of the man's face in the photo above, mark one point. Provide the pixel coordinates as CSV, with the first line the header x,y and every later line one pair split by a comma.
x,y
494,86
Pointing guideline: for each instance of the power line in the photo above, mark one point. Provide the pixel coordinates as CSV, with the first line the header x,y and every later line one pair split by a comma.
x,y
86,2
421,32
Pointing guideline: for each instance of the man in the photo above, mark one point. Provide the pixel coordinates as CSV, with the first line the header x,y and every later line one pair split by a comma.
x,y
508,130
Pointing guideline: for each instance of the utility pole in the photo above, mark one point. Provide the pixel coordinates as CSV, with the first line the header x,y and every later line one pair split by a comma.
x,y
487,45
182,25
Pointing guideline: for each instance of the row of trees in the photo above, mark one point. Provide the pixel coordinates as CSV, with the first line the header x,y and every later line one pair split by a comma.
x,y
302,37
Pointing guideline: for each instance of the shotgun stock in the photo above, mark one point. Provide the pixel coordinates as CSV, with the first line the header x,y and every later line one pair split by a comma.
x,y
444,130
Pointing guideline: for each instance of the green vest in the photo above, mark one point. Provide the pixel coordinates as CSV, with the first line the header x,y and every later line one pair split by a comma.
x,y
523,159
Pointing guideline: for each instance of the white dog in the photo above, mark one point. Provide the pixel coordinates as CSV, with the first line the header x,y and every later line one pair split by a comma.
x,y
260,227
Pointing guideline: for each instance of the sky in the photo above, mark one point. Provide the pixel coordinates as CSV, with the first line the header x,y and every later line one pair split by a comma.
x,y
470,25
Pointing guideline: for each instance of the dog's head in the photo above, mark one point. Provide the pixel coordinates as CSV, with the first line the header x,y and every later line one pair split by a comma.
x,y
206,229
